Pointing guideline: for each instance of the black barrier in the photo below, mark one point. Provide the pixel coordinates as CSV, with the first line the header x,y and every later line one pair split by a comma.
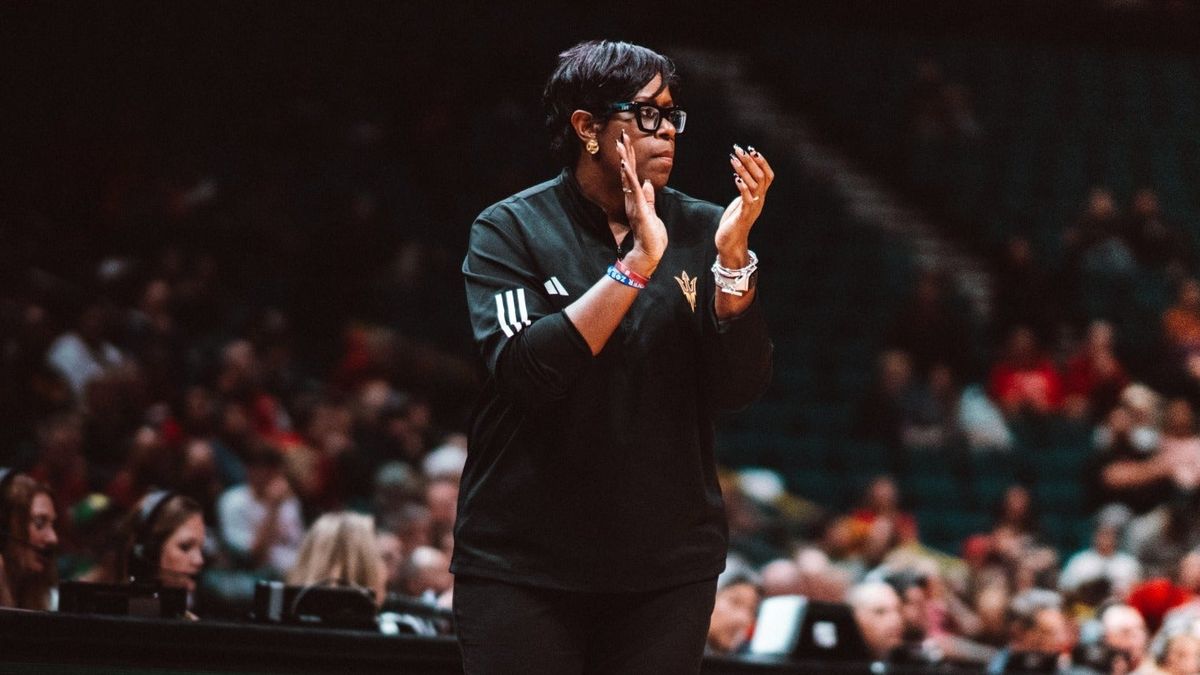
x,y
39,642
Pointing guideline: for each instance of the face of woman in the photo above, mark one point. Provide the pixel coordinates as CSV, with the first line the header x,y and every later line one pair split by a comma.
x,y
182,555
40,533
655,151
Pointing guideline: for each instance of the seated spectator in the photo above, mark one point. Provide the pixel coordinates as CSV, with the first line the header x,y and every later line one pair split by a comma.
x,y
1017,513
1094,377
1157,243
882,521
28,541
1164,598
341,550
260,520
781,577
930,415
85,354
1181,655
1026,295
1179,444
819,578
1103,563
60,462
148,462
427,573
1125,472
881,412
1181,322
930,330
1125,633
734,611
876,608
1038,630
1025,381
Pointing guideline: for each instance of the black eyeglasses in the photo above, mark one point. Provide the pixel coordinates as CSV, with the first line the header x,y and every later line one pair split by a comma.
x,y
649,116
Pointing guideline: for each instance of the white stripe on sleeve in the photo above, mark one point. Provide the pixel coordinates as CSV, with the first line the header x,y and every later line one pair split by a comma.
x,y
500,316
512,312
521,303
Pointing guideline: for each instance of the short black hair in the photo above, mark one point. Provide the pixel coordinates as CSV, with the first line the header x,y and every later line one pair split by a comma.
x,y
592,76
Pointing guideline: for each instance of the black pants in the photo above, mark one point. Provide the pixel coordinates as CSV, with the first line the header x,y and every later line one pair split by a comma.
x,y
505,628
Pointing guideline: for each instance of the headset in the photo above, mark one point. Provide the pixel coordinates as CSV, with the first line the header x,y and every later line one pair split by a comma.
x,y
144,555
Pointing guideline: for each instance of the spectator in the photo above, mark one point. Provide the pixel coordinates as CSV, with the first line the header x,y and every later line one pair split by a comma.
x,y
85,354
1039,631
260,520
428,572
781,577
1125,633
1026,295
930,415
28,542
734,611
1103,562
60,462
1158,598
881,413
341,550
1025,381
1125,471
1016,512
1094,377
1181,655
1181,322
930,330
881,519
1157,243
876,609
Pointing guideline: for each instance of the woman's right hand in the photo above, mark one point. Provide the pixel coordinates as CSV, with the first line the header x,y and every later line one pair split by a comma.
x,y
649,232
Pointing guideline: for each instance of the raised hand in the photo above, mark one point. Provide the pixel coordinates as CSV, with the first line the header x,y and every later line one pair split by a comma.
x,y
649,232
752,176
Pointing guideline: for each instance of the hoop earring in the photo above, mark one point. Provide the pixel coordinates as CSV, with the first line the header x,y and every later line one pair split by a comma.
x,y
592,146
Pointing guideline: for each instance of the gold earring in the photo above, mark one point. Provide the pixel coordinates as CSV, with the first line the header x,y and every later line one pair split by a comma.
x,y
592,146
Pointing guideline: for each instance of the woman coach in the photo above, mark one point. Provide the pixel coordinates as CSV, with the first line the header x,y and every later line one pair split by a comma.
x,y
615,316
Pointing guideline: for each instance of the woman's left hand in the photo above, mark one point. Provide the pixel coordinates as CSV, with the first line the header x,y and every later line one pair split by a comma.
x,y
752,177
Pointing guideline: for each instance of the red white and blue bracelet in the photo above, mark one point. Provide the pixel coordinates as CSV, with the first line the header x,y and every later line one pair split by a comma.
x,y
620,272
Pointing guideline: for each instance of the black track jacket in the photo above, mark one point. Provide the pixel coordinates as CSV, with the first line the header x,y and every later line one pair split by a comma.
x,y
596,473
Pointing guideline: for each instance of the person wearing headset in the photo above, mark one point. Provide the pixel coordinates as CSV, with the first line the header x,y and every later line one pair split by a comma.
x,y
28,570
165,542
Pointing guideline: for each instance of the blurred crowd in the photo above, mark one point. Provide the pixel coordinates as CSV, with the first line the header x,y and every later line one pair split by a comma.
x,y
250,332
1061,350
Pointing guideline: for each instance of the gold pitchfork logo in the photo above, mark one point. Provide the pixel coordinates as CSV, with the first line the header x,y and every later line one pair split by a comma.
x,y
688,286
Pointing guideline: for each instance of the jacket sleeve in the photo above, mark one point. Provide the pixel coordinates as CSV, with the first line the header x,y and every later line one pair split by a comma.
x,y
739,354
529,347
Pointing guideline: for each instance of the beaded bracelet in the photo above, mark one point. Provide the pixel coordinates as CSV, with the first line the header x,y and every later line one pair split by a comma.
x,y
617,276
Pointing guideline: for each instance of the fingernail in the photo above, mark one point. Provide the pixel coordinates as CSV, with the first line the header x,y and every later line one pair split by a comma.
x,y
737,178
751,149
732,158
738,149
622,164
